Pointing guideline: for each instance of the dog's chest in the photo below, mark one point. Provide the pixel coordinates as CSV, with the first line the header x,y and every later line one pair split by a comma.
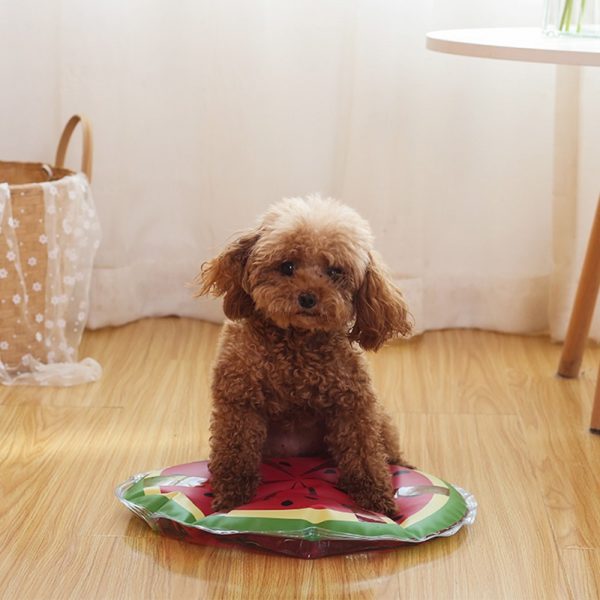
x,y
297,376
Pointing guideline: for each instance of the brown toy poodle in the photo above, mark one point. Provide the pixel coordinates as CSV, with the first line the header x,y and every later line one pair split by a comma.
x,y
303,289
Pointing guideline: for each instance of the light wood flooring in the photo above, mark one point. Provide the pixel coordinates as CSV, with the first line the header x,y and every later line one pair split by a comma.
x,y
480,409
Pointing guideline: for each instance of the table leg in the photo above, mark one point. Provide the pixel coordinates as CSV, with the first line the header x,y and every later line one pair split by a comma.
x,y
595,423
583,309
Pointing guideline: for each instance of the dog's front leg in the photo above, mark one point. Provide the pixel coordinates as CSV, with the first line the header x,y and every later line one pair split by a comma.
x,y
355,443
237,438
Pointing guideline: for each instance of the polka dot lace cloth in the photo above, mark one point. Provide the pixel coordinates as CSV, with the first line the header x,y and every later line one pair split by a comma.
x,y
46,255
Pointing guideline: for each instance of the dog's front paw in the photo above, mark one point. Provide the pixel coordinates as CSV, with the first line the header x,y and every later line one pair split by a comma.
x,y
374,497
383,504
234,493
228,502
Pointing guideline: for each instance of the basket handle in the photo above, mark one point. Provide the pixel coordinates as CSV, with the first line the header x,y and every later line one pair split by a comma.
x,y
65,138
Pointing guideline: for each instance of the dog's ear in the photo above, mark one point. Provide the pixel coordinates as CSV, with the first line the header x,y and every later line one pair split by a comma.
x,y
224,276
381,312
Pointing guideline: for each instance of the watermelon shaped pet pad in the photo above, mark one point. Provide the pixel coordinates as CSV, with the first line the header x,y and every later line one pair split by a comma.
x,y
297,510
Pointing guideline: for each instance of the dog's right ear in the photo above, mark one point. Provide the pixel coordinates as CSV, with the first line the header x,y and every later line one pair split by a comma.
x,y
224,275
381,312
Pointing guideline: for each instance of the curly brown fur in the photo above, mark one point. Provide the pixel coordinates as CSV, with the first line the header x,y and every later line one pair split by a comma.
x,y
302,288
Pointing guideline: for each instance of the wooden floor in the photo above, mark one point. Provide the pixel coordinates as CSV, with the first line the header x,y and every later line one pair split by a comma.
x,y
481,410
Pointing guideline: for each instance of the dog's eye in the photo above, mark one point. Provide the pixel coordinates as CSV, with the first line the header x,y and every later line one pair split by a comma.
x,y
287,268
334,272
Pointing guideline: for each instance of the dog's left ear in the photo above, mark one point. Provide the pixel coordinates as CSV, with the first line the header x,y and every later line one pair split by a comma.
x,y
381,312
224,276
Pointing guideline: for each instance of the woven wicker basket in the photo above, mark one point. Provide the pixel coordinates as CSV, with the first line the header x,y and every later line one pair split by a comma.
x,y
24,269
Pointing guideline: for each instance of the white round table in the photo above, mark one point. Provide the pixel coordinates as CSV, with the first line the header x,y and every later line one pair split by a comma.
x,y
531,45
517,43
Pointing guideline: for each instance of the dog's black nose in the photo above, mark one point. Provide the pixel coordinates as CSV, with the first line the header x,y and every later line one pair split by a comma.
x,y
307,300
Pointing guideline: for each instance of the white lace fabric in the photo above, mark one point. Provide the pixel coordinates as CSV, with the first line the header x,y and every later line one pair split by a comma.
x,y
44,319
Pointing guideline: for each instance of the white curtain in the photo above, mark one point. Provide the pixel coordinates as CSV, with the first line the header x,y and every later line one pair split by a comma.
x,y
206,112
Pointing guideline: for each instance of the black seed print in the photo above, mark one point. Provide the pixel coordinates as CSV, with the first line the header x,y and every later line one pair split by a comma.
x,y
287,503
